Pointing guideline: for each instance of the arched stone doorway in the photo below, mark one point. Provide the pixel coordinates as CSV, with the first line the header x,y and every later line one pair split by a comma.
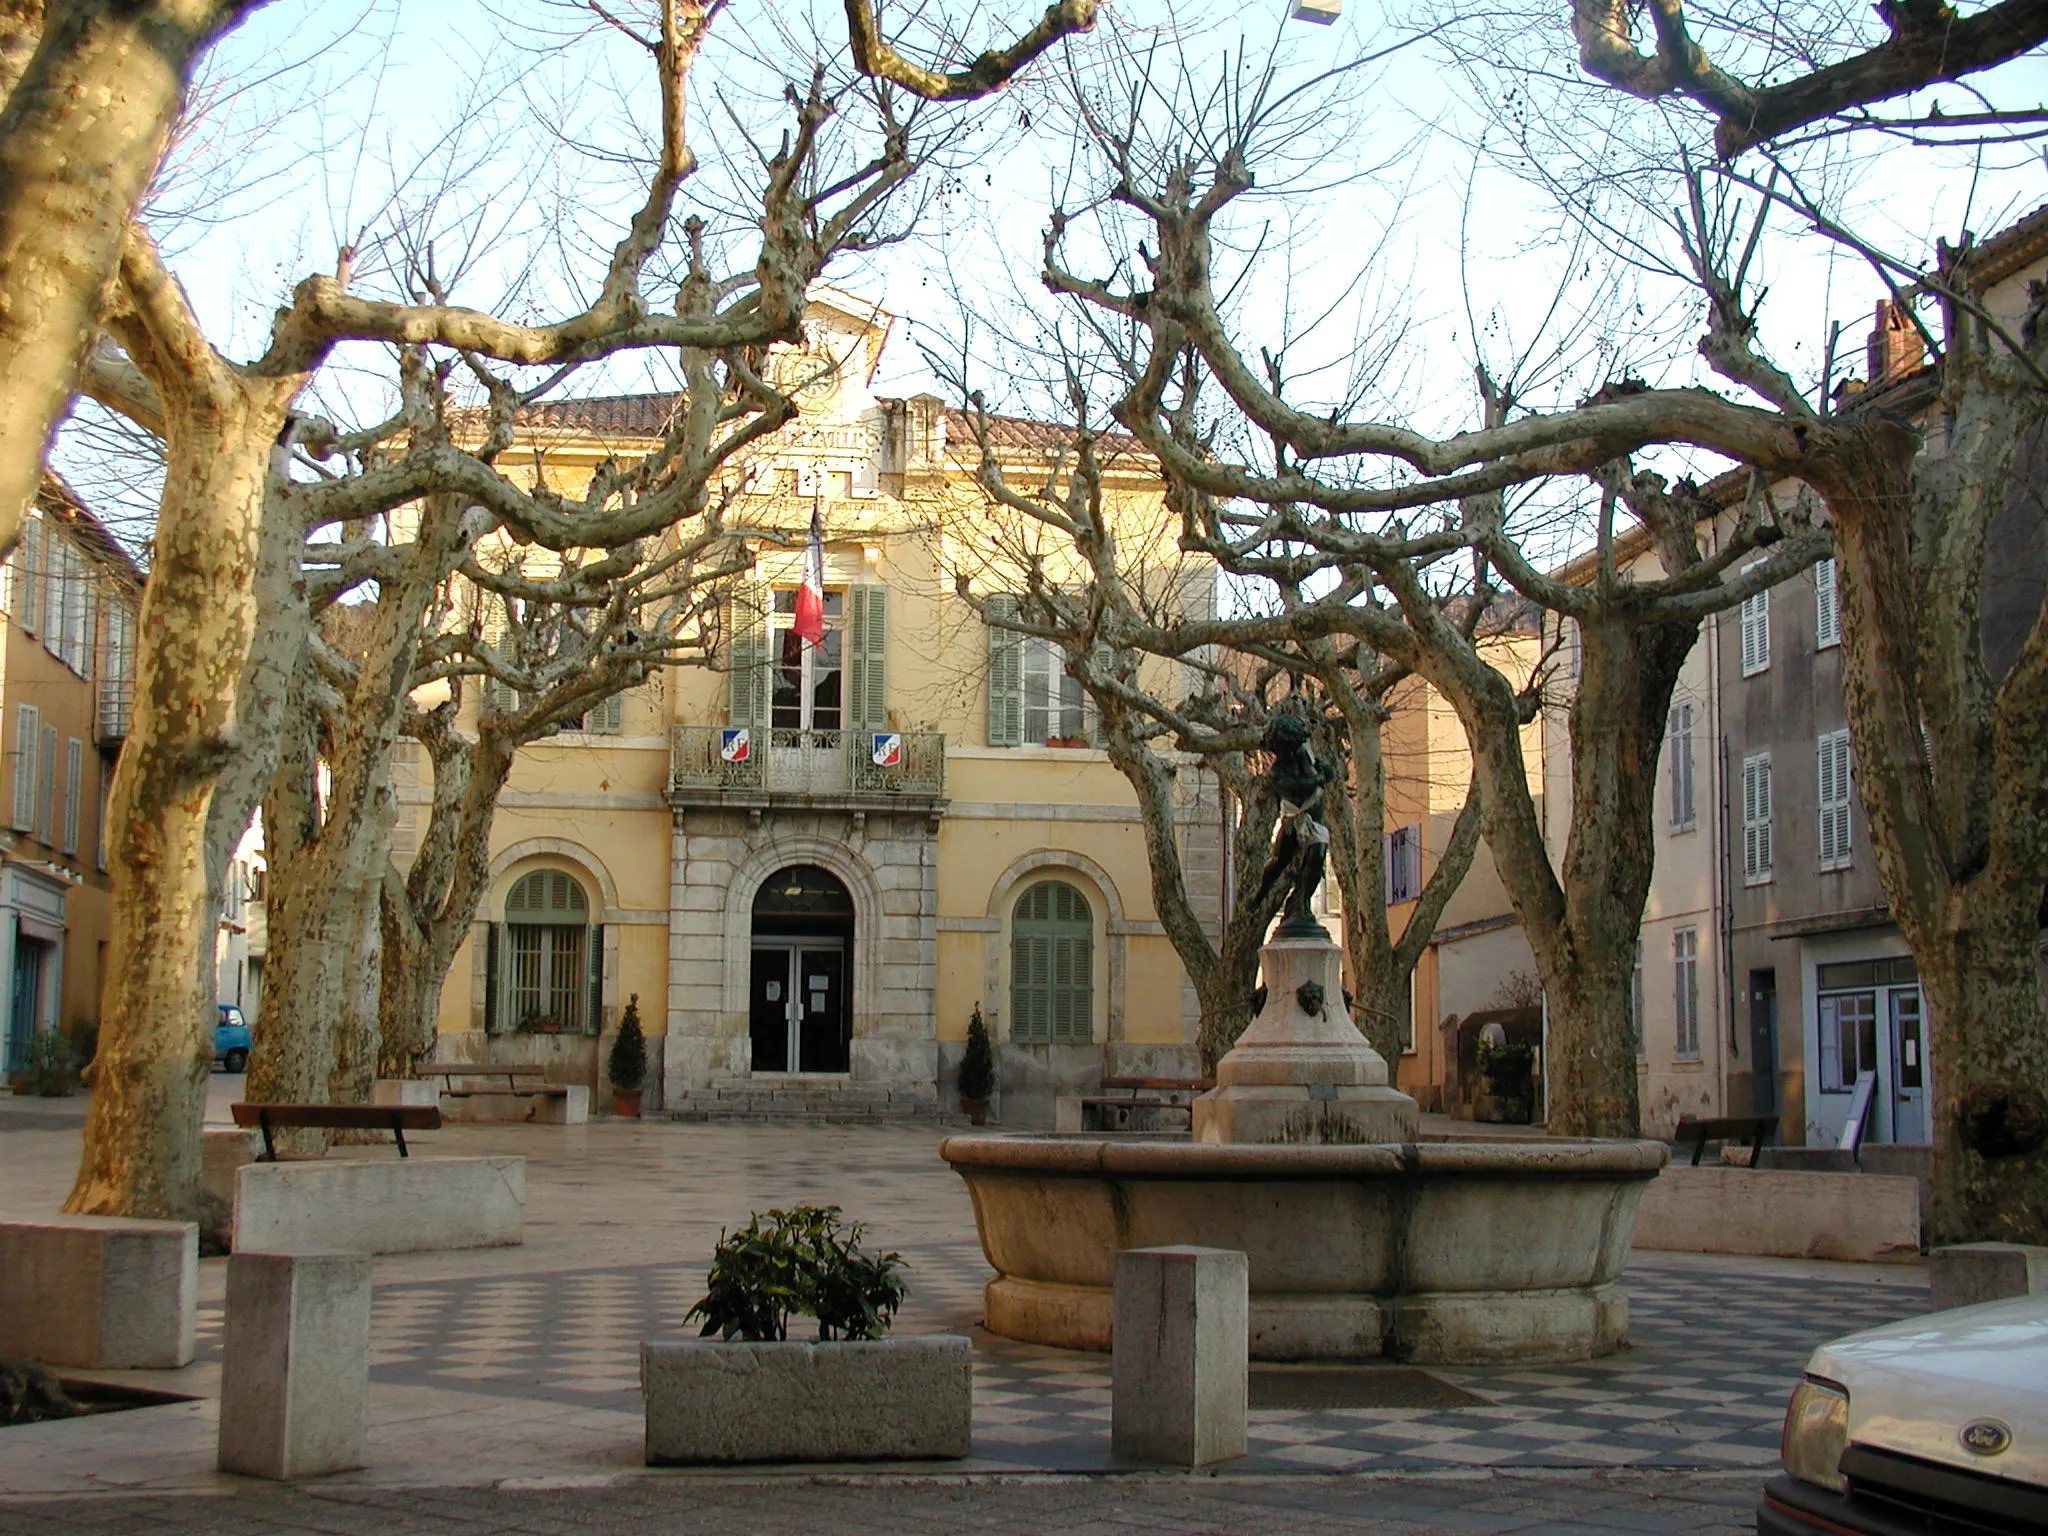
x,y
800,1003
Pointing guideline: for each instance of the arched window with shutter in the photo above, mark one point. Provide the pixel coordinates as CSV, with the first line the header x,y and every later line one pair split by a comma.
x,y
1052,966
546,971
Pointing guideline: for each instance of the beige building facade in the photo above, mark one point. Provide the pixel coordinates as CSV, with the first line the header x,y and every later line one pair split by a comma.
x,y
66,688
813,865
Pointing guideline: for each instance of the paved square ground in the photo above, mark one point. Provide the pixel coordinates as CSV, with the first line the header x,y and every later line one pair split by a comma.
x,y
495,1367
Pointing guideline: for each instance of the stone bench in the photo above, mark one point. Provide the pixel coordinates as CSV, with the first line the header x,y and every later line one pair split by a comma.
x,y
104,1292
389,1205
1859,1216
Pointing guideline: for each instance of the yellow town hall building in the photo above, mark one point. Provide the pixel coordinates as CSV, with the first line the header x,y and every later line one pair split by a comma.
x,y
813,867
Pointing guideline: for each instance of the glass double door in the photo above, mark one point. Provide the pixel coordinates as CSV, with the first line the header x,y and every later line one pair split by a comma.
x,y
798,1019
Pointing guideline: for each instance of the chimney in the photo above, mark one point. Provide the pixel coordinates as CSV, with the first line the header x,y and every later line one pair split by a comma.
x,y
1894,348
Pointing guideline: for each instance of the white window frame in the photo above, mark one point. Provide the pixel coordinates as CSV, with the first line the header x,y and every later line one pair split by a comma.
x,y
1834,797
1827,606
1684,812
1756,819
1042,660
1685,993
1754,626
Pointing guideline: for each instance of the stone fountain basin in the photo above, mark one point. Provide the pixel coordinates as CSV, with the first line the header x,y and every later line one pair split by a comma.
x,y
1451,1252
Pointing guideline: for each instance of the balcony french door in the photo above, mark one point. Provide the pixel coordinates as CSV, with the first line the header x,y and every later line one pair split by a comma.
x,y
806,748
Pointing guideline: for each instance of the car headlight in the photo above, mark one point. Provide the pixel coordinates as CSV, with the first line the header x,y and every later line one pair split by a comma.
x,y
1816,1433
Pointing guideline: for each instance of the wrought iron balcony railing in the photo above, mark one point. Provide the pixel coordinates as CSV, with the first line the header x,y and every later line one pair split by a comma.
x,y
778,760
116,704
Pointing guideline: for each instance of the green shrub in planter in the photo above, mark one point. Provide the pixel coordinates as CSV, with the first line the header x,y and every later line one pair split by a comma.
x,y
805,1263
978,1063
628,1063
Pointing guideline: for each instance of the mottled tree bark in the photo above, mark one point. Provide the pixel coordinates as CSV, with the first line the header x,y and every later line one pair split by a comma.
x,y
198,624
80,137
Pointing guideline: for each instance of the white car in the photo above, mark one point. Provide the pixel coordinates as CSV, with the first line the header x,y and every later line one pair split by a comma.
x,y
1932,1426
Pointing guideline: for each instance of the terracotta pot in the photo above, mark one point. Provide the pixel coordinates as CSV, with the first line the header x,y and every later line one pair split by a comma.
x,y
976,1110
626,1101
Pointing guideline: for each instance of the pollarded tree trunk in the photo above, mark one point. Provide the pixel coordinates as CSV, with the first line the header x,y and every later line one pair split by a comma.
x,y
1951,769
80,137
428,911
1981,985
141,1155
1582,918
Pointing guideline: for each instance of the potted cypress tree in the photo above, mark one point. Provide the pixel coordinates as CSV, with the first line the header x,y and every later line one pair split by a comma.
x,y
977,1071
628,1064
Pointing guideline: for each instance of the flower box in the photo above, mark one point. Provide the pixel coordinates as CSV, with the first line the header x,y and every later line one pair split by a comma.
x,y
895,1399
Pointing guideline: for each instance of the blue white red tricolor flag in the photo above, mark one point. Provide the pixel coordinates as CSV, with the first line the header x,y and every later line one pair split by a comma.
x,y
809,623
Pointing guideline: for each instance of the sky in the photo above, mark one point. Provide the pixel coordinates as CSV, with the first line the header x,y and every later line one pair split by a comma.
x,y
1405,223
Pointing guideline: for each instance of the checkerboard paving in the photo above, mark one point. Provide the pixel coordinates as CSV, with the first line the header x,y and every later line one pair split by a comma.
x,y
1703,1386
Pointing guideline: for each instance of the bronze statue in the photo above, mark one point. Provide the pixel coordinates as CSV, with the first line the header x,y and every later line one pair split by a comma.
x,y
1303,842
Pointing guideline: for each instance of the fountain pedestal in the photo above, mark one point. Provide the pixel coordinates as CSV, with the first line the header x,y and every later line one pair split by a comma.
x,y
1301,1072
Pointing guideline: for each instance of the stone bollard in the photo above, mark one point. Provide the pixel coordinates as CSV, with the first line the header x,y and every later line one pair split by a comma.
x,y
1180,1375
106,1292
1968,1273
295,1364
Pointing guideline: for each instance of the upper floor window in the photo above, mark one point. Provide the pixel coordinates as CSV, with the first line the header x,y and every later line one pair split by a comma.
x,y
1756,819
776,677
1032,700
53,594
1827,612
1052,966
1404,864
1679,750
1755,622
1832,753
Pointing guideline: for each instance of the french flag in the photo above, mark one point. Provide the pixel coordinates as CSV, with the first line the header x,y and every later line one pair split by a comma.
x,y
809,622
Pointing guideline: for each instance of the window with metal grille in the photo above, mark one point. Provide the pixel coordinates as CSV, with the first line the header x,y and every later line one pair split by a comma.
x,y
1680,752
549,955
1685,990
1756,819
1827,613
1832,754
1052,966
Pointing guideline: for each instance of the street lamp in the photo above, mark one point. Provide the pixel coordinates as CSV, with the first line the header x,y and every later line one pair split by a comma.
x,y
1322,12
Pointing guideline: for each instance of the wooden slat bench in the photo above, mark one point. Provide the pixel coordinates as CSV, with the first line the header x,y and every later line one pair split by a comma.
x,y
395,1118
1750,1128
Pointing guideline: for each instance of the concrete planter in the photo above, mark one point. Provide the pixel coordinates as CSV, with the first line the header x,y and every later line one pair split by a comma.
x,y
873,1400
1467,1252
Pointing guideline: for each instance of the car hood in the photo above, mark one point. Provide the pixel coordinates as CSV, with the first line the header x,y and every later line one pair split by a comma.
x,y
1915,1384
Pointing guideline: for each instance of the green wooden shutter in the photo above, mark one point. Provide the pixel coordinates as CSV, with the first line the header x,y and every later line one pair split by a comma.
x,y
747,681
867,686
1052,967
497,695
595,1023
1005,676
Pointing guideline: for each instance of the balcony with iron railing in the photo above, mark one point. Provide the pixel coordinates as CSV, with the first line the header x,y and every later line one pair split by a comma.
x,y
115,706
714,765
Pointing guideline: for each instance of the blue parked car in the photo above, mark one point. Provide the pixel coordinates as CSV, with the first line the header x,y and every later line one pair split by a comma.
x,y
231,1039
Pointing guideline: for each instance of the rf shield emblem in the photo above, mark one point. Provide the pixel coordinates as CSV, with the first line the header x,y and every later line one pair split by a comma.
x,y
1985,1437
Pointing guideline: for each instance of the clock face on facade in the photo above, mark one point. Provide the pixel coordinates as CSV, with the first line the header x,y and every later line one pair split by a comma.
x,y
809,374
